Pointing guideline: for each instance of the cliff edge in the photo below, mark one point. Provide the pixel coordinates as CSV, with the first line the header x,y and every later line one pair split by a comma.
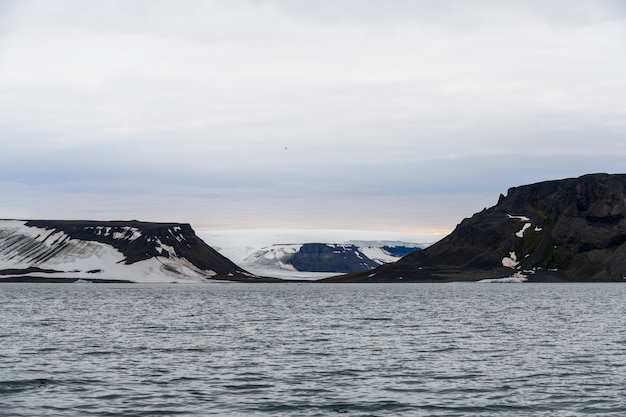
x,y
564,230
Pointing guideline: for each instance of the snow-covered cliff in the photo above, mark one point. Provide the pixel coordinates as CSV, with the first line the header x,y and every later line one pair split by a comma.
x,y
65,251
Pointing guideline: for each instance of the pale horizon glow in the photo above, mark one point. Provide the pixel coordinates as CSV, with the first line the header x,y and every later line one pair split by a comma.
x,y
403,116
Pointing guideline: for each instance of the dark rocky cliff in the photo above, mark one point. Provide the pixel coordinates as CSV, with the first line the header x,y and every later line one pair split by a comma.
x,y
325,257
572,229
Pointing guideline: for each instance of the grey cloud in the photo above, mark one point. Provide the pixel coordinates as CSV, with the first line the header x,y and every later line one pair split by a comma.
x,y
454,14
271,111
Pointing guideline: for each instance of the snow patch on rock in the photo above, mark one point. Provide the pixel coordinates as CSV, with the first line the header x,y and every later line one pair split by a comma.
x,y
522,218
520,234
517,277
510,261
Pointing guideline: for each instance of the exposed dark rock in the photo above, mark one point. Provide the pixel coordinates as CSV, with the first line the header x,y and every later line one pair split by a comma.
x,y
26,271
572,229
400,251
48,280
323,257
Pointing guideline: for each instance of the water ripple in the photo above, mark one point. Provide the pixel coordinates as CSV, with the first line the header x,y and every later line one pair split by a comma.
x,y
313,350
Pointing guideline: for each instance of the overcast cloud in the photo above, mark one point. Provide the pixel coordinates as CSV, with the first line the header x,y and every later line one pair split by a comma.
x,y
377,115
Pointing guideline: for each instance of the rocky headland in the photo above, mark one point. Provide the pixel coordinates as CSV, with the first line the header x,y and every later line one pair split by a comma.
x,y
564,230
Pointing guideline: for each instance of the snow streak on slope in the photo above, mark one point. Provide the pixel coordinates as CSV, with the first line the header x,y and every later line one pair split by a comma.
x,y
378,254
275,255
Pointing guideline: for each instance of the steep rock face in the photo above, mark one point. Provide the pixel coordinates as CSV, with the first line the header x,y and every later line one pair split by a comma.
x,y
321,257
572,229
110,251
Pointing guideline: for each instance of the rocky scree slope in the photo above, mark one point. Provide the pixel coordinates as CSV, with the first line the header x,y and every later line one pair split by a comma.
x,y
564,230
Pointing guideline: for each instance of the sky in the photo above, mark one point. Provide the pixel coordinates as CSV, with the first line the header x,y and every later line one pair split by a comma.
x,y
399,115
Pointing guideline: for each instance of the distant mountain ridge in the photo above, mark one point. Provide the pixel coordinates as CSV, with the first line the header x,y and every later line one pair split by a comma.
x,y
328,257
110,251
572,229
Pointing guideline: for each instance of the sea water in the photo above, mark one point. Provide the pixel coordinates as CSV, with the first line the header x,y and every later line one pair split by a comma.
x,y
313,350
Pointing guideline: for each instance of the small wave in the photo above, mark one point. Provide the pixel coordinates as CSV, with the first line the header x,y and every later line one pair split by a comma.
x,y
248,386
99,353
15,386
338,407
375,318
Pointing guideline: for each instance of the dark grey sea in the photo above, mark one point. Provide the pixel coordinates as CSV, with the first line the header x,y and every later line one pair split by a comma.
x,y
313,350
